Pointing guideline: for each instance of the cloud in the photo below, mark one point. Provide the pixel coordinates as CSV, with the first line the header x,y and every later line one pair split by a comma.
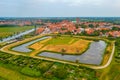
x,y
72,2
83,2
78,2
60,7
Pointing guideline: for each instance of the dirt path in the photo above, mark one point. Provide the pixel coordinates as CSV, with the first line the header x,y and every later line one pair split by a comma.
x,y
109,61
5,49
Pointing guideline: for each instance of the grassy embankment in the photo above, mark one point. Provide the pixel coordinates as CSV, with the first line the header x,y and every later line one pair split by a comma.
x,y
112,72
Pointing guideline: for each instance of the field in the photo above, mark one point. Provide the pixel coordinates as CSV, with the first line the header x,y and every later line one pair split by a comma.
x,y
11,30
115,72
115,67
117,48
28,68
66,45
112,72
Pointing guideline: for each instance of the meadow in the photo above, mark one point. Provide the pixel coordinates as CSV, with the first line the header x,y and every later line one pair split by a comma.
x,y
65,45
112,72
11,30
28,68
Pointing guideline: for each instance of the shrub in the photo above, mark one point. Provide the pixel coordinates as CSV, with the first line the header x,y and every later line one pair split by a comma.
x,y
31,72
60,73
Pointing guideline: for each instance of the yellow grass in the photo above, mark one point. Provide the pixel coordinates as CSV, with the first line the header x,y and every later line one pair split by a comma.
x,y
107,54
71,41
77,47
39,45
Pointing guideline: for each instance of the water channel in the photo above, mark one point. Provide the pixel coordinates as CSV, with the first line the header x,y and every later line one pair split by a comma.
x,y
94,55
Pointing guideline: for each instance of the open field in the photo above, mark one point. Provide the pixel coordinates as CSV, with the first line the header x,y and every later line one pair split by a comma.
x,y
9,31
112,72
117,48
2,78
115,72
22,67
28,68
8,74
66,45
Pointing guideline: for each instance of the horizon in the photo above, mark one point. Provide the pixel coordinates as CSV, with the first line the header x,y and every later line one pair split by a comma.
x,y
63,8
59,16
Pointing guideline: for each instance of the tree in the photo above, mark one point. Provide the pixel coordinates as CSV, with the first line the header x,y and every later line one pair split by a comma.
x,y
77,50
1,39
63,50
77,61
115,28
60,72
77,26
63,28
91,25
97,25
96,33
83,26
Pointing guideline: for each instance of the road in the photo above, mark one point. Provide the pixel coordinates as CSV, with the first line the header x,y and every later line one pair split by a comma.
x,y
5,49
18,35
109,61
46,31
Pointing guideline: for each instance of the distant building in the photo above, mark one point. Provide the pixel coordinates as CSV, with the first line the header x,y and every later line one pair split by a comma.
x,y
77,20
40,30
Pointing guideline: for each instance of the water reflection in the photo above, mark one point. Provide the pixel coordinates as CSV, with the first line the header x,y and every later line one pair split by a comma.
x,y
93,55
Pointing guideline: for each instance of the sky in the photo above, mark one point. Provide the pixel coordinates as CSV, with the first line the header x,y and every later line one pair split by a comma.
x,y
59,8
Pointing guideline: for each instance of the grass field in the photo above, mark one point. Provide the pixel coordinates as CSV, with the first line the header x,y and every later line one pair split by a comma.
x,y
16,67
31,69
66,45
115,72
9,31
112,72
2,78
8,74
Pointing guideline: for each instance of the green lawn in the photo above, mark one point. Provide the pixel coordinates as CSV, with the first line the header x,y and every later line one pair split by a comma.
x,y
2,78
112,72
115,72
8,31
61,40
8,74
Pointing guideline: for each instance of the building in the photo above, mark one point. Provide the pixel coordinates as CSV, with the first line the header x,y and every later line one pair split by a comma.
x,y
77,20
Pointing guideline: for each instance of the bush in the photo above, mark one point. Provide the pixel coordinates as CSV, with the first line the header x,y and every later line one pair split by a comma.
x,y
60,73
31,72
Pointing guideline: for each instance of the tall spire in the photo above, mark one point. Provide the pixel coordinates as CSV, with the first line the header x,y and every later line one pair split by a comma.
x,y
77,20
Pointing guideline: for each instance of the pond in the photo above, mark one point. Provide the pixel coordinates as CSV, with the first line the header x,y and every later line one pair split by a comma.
x,y
94,55
24,47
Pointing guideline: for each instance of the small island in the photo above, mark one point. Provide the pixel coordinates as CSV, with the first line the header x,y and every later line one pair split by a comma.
x,y
63,45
